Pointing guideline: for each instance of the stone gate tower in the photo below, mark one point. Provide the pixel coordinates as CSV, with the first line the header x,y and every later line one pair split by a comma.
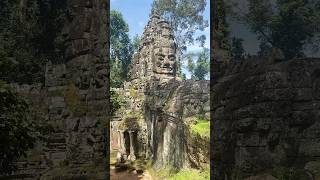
x,y
151,123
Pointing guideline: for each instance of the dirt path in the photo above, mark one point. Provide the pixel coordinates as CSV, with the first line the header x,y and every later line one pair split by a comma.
x,y
123,172
118,173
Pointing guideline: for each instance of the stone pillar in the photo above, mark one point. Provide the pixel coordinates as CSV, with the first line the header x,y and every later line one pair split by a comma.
x,y
131,157
122,145
146,151
119,140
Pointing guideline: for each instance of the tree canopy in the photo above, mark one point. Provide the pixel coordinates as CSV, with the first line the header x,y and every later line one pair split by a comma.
x,y
121,49
198,64
284,24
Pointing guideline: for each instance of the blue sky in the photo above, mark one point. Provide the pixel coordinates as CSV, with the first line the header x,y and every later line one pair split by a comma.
x,y
136,14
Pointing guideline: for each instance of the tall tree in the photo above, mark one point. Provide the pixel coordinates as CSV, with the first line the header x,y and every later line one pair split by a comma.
x,y
121,48
186,17
283,24
136,42
198,64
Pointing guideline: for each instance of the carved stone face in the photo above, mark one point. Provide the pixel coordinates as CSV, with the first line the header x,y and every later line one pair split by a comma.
x,y
165,60
165,29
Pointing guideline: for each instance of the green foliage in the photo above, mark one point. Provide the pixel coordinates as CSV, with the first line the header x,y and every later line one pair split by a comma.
x,y
116,74
183,76
284,24
202,127
136,42
20,127
182,174
201,67
185,17
191,174
121,48
116,101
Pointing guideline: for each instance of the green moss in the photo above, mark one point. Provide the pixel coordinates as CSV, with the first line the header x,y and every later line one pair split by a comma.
x,y
133,93
202,127
130,122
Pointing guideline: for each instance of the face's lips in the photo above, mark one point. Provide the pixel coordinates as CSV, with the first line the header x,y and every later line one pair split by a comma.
x,y
167,69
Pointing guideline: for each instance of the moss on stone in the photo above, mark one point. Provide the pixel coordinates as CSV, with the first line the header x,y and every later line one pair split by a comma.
x,y
130,123
133,93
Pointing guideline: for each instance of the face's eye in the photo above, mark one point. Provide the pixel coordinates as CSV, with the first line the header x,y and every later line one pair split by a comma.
x,y
160,57
171,58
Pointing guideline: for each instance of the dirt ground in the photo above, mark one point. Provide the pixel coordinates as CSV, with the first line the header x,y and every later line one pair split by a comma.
x,y
124,172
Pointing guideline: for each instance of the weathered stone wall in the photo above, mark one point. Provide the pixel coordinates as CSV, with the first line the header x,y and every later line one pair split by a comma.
x,y
74,100
266,119
167,107
35,160
82,106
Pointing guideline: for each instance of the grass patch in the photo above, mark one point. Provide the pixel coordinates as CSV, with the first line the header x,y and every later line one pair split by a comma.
x,y
202,127
183,174
191,174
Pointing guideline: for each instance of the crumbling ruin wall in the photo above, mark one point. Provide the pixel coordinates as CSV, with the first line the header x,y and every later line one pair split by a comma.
x,y
266,120
74,100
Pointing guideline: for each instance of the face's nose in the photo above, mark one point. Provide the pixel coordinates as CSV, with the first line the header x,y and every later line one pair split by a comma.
x,y
166,62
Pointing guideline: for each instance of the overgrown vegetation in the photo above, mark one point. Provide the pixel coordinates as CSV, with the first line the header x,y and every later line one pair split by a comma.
x,y
121,49
116,100
183,174
191,174
20,128
201,127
